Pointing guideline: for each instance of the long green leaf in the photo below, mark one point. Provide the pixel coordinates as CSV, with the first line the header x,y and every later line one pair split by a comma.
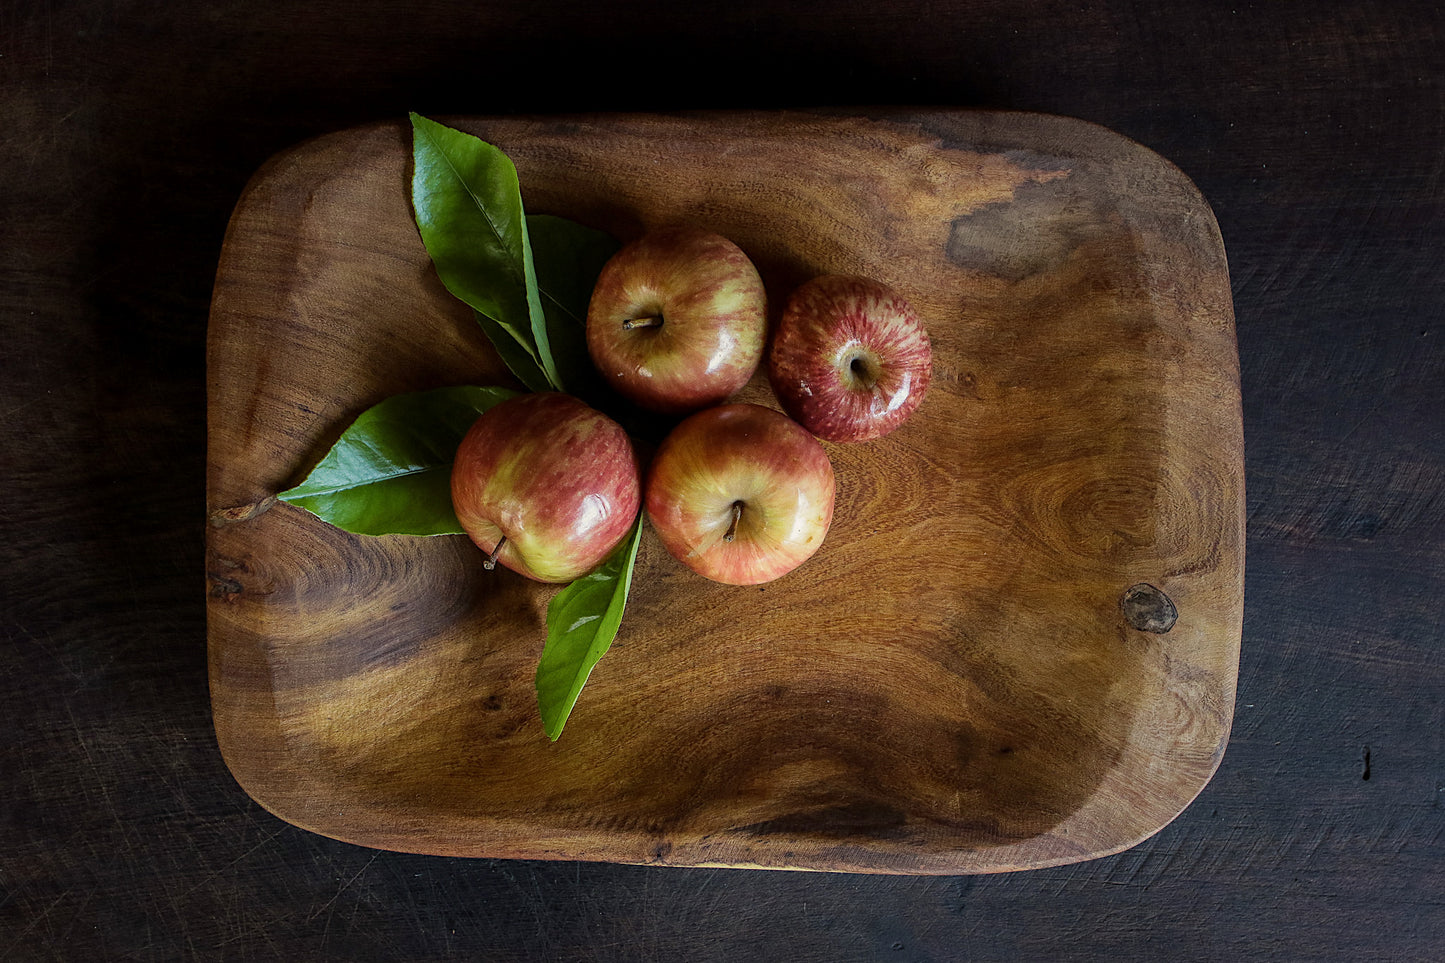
x,y
514,355
390,472
568,258
582,621
468,207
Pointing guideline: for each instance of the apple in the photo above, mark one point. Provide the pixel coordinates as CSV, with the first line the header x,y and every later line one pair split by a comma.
x,y
740,494
850,359
678,320
546,485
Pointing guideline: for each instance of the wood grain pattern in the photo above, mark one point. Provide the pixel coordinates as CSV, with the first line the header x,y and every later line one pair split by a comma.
x,y
950,686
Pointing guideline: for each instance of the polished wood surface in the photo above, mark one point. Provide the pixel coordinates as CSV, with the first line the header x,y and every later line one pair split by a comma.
x,y
953,683
131,130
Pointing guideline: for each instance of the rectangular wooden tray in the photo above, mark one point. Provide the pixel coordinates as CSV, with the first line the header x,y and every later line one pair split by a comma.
x,y
968,677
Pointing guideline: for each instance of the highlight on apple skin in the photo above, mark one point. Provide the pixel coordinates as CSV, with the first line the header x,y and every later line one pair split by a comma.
x,y
850,359
678,320
740,493
546,485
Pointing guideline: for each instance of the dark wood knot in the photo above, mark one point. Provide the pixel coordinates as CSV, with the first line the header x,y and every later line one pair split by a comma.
x,y
1148,609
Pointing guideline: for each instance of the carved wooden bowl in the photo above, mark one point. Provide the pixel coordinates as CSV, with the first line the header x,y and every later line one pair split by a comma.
x,y
1018,646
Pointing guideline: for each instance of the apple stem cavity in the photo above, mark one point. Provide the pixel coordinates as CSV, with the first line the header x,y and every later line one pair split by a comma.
x,y
490,562
863,371
732,531
651,321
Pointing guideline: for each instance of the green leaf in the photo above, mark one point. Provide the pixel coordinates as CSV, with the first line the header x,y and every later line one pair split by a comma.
x,y
513,355
390,472
568,258
468,207
582,621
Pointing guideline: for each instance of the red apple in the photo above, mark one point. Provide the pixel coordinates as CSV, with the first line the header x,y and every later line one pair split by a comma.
x,y
546,485
740,494
850,359
677,320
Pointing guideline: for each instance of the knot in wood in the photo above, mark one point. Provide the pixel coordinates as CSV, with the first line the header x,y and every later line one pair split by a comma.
x,y
1148,609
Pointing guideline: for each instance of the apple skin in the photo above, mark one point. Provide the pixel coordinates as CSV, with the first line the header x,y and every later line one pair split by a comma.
x,y
713,311
558,479
850,359
746,455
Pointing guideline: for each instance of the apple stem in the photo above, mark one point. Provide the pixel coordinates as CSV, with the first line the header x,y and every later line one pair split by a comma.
x,y
651,321
490,562
733,525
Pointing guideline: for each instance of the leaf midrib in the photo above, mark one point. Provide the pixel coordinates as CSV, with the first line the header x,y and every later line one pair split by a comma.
x,y
377,480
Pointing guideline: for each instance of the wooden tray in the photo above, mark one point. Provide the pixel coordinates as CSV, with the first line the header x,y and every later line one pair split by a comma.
x,y
960,681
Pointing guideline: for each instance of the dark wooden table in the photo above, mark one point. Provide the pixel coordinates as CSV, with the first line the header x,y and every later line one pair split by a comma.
x,y
127,131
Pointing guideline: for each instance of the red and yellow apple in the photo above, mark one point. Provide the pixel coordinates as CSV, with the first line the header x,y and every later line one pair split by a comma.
x,y
850,359
740,494
677,320
546,485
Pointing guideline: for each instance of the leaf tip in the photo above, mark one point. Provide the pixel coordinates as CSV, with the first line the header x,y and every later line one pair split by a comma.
x,y
554,723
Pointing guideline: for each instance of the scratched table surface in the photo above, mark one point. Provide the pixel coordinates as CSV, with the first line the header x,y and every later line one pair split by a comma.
x,y
127,132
